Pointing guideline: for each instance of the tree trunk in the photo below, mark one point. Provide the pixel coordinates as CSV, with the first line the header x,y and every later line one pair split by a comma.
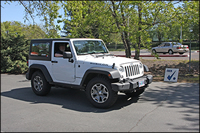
x,y
159,37
126,43
124,35
137,48
128,52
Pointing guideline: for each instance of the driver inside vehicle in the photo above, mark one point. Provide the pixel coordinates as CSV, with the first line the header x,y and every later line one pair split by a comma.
x,y
59,52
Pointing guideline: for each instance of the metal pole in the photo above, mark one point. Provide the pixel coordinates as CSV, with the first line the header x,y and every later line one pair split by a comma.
x,y
181,33
190,56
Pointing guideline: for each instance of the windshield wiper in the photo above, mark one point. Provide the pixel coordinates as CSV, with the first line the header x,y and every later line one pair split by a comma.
x,y
92,52
105,54
82,53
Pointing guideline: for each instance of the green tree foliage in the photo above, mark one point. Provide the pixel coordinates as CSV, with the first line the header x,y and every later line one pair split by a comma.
x,y
14,53
133,20
48,11
190,19
186,19
16,28
87,19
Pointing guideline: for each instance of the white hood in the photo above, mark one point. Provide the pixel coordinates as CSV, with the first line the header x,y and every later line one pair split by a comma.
x,y
125,66
105,60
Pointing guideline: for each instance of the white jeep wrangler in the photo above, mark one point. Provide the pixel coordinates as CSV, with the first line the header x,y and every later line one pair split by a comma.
x,y
84,64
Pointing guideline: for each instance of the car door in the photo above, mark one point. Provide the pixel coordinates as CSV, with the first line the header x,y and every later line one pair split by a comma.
x,y
166,47
160,47
62,70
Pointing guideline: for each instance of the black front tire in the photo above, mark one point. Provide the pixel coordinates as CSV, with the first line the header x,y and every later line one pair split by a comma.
x,y
39,84
181,53
154,51
100,93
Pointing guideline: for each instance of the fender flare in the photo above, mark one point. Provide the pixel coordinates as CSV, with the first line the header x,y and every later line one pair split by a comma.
x,y
40,67
146,69
111,73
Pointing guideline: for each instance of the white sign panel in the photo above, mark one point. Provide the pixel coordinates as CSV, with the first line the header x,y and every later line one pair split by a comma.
x,y
171,74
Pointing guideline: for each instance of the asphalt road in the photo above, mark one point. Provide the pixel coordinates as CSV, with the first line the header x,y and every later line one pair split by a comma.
x,y
194,55
163,107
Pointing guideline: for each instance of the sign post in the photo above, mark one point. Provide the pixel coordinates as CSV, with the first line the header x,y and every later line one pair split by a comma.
x,y
190,55
171,74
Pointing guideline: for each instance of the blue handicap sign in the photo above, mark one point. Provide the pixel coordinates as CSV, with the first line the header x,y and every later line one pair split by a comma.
x,y
171,74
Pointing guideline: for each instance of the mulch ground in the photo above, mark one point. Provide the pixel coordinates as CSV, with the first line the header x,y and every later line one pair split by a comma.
x,y
157,69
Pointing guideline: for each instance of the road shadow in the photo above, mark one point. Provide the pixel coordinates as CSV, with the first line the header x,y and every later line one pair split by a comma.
x,y
184,96
169,95
67,98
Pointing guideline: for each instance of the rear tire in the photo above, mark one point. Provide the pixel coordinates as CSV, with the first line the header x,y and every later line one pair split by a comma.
x,y
181,53
39,84
100,93
170,52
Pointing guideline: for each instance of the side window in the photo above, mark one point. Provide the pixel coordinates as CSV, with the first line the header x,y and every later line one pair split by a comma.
x,y
167,44
67,49
61,47
40,49
161,45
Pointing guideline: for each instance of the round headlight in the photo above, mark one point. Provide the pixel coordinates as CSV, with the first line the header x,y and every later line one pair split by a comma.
x,y
140,65
121,69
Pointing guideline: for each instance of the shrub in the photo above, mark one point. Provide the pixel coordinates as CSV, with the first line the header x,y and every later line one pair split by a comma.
x,y
14,54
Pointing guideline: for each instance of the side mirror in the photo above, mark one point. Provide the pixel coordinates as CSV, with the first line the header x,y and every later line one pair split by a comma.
x,y
67,55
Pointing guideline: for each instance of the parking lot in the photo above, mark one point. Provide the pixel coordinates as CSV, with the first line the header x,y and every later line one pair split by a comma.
x,y
163,107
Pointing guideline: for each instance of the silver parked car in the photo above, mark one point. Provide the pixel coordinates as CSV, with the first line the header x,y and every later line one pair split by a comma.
x,y
170,47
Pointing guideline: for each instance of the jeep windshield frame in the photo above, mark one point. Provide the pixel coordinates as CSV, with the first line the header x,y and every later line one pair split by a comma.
x,y
84,47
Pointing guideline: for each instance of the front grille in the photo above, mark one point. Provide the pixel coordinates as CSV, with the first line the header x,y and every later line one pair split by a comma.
x,y
132,70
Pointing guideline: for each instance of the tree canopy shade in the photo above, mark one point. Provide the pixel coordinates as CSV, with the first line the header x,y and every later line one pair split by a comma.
x,y
135,22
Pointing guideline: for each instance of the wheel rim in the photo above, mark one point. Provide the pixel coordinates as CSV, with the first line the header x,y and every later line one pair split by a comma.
x,y
170,52
99,93
154,51
38,83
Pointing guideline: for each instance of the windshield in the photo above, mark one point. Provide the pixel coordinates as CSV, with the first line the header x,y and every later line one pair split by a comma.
x,y
89,47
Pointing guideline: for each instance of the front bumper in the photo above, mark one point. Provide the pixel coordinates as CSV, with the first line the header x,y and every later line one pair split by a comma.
x,y
27,75
181,50
131,84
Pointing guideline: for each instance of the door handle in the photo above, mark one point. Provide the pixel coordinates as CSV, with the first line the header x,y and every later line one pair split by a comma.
x,y
54,61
